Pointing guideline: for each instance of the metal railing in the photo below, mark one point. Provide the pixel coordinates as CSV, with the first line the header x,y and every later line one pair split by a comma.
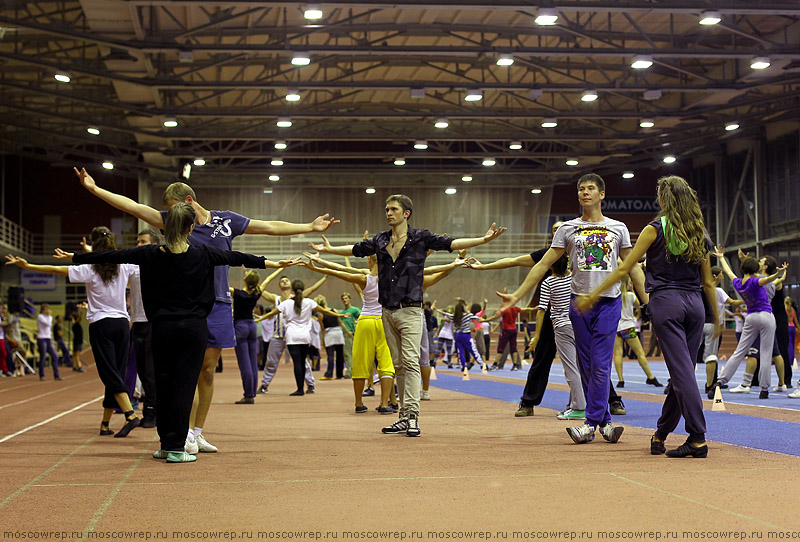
x,y
15,237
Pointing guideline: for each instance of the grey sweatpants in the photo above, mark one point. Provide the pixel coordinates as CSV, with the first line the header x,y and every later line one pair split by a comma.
x,y
565,345
710,343
756,324
276,348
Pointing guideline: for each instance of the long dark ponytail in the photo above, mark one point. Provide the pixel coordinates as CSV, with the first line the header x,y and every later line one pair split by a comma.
x,y
178,223
458,314
297,287
103,239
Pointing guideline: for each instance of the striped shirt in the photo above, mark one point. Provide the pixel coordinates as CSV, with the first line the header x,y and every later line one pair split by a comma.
x,y
466,320
555,294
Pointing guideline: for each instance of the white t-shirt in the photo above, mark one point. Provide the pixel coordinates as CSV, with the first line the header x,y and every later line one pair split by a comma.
x,y
593,249
105,301
315,334
267,329
2,329
371,306
298,326
626,319
45,324
137,307
446,329
722,299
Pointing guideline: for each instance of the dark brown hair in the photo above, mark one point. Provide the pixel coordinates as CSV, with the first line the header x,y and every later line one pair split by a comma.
x,y
103,239
297,287
749,265
593,178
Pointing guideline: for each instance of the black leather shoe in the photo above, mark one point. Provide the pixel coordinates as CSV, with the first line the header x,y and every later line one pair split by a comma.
x,y
687,449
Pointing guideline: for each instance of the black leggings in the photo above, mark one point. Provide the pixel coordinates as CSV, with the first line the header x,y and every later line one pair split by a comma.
x,y
111,342
178,350
335,352
299,353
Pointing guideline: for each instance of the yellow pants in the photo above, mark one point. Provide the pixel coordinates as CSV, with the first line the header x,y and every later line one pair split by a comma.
x,y
370,342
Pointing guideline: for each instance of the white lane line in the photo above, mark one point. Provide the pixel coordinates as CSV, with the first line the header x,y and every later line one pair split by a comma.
x,y
44,394
48,420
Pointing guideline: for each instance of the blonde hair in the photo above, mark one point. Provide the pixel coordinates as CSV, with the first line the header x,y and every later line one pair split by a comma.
x,y
251,279
680,207
178,192
320,299
178,224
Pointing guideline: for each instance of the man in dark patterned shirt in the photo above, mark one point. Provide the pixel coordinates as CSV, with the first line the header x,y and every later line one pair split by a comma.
x,y
401,253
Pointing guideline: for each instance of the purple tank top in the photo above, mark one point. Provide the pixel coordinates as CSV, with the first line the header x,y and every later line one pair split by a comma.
x,y
753,294
669,272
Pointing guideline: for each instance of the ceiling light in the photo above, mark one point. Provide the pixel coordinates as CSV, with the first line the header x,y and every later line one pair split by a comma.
x,y
536,190
473,95
276,162
293,95
417,92
301,59
549,123
589,96
515,145
731,126
571,162
669,159
710,18
284,122
267,191
170,122
420,145
199,162
450,191
535,93
108,165
92,130
399,161
441,123
546,17
280,145
506,59
760,63
646,123
62,77
627,175
313,12
274,178
642,62
652,94
489,162
466,178
370,190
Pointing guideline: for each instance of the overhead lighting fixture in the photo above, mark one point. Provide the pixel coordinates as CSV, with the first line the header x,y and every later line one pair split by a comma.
x,y
417,93
92,130
589,96
710,18
301,59
536,190
170,122
760,63
293,95
473,95
108,165
276,162
571,162
669,159
399,161
313,12
627,175
515,145
466,178
370,190
505,59
280,145
731,126
549,123
62,77
546,17
199,162
652,94
450,191
267,191
284,122
646,123
489,162
420,145
535,93
642,62
441,123
274,178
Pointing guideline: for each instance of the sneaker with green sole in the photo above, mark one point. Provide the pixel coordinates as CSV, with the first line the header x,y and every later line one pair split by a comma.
x,y
572,414
161,454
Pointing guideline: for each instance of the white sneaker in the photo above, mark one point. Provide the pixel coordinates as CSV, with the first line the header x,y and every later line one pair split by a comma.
x,y
190,446
795,394
425,395
780,389
740,389
203,445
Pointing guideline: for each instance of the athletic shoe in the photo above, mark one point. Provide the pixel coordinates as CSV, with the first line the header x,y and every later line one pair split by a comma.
x,y
361,408
263,389
310,389
621,384
611,432
617,408
780,389
741,388
106,432
296,393
413,426
687,449
148,422
657,446
424,395
161,454
572,414
763,395
515,368
326,377
400,426
58,378
203,445
127,428
395,407
190,446
561,413
384,410
246,401
180,457
581,434
654,382
523,411
712,390
369,392
795,394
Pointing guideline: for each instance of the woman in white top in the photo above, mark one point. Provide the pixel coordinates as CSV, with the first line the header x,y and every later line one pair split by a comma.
x,y
626,331
296,313
44,342
109,329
